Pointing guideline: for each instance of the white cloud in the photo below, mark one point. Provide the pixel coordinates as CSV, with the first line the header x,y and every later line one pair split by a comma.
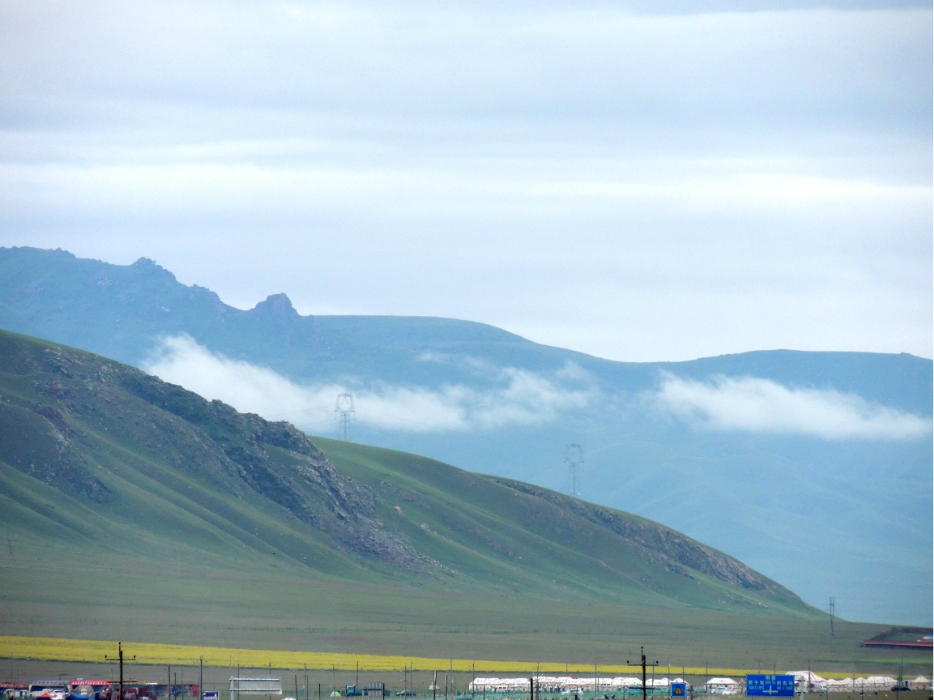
x,y
518,397
763,406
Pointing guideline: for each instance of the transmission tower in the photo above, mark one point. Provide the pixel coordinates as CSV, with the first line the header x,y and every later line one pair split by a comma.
x,y
573,457
344,408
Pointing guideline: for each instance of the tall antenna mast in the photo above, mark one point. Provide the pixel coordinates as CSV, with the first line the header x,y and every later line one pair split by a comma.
x,y
573,457
344,408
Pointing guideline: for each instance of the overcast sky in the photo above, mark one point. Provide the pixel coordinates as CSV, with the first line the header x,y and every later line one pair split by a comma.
x,y
598,176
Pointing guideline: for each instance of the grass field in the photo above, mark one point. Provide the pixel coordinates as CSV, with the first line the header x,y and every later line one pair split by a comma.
x,y
54,587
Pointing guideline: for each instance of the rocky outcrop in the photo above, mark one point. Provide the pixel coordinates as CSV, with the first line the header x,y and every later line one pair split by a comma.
x,y
206,438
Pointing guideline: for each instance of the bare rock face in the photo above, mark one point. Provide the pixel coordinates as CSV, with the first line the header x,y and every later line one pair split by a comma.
x,y
50,453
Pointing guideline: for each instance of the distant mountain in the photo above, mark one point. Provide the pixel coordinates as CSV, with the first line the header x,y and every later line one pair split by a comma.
x,y
815,468
106,443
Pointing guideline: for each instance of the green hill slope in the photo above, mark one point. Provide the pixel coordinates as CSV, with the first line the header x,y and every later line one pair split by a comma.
x,y
100,456
796,497
516,538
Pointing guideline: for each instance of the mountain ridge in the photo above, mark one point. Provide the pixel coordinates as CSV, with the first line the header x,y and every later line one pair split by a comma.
x,y
791,504
56,295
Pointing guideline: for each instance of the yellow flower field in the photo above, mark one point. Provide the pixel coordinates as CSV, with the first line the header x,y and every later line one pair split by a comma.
x,y
52,649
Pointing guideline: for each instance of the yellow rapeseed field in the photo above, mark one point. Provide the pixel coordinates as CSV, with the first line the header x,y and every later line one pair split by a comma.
x,y
52,649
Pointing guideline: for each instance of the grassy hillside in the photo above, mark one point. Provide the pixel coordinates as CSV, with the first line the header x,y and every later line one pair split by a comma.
x,y
822,516
146,465
136,509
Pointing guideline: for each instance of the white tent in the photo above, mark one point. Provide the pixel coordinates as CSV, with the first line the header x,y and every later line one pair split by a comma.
x,y
877,683
920,683
808,681
843,685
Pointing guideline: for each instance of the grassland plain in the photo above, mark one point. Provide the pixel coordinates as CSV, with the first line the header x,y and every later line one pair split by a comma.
x,y
215,607
126,515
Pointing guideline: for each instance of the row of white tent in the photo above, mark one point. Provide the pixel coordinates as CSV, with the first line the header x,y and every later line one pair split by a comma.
x,y
559,684
815,682
806,681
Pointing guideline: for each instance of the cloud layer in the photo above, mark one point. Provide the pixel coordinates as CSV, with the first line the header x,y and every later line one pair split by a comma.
x,y
763,406
639,181
517,397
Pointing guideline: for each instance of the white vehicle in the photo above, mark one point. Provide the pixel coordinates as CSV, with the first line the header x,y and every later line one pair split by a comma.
x,y
47,688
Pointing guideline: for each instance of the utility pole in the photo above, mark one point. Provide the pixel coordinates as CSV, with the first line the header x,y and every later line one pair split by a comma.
x,y
573,457
201,678
120,659
344,408
629,663
833,607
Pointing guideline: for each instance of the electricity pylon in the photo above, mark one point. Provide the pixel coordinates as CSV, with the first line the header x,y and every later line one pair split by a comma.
x,y
344,408
573,457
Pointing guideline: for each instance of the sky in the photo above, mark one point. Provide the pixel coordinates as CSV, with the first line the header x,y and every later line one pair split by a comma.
x,y
635,183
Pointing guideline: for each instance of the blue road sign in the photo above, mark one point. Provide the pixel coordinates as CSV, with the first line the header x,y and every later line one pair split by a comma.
x,y
209,695
679,690
770,686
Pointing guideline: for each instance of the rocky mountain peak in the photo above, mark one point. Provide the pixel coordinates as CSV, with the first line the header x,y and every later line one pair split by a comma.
x,y
151,267
276,306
